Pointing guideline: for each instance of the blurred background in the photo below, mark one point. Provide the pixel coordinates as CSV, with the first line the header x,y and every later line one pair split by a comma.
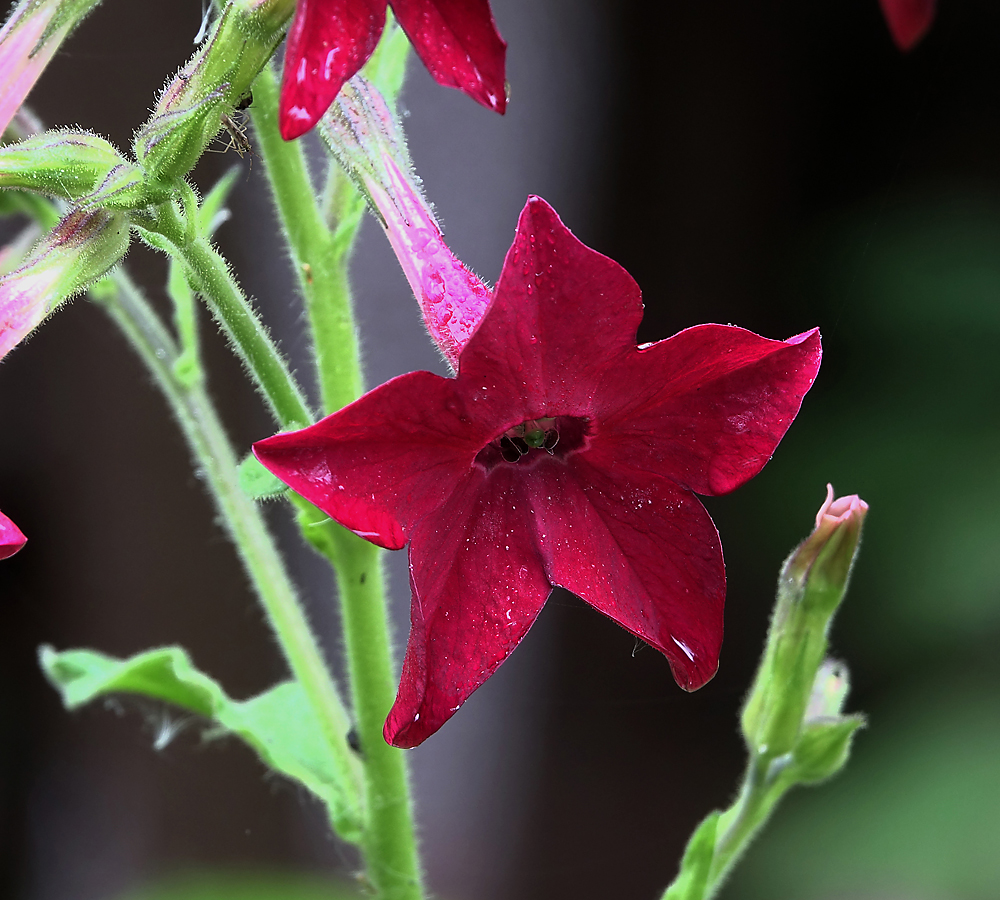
x,y
775,165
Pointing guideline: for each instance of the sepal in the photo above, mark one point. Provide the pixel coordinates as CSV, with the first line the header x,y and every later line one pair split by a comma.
x,y
65,164
170,143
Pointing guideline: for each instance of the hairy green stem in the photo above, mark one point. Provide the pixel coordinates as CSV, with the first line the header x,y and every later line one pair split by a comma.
x,y
214,454
211,276
320,262
320,258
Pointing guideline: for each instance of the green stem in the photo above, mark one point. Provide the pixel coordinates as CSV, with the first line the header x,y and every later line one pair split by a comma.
x,y
212,278
319,261
214,455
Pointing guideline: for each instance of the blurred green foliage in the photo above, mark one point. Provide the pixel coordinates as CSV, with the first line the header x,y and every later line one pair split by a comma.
x,y
907,414
243,886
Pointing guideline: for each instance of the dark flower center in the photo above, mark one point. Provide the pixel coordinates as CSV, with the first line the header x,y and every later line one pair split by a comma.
x,y
535,439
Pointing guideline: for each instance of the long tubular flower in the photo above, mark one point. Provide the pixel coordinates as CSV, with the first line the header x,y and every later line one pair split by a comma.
x,y
29,39
330,40
561,454
364,135
11,538
908,20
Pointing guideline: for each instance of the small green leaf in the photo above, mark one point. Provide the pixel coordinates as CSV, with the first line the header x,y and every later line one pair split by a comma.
x,y
212,212
256,482
824,747
278,724
691,882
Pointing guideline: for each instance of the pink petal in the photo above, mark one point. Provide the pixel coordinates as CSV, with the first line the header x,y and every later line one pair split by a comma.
x,y
384,462
11,538
908,20
640,550
478,586
22,58
707,407
329,41
459,43
562,316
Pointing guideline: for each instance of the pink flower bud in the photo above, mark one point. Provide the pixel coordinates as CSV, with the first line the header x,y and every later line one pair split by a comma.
x,y
77,252
363,134
826,556
11,538
28,41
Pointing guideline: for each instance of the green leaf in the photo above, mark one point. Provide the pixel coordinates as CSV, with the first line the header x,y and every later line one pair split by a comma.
x,y
212,212
256,482
824,747
691,882
278,724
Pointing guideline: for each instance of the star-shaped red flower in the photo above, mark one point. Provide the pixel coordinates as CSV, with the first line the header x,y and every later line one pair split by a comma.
x,y
561,454
330,40
11,538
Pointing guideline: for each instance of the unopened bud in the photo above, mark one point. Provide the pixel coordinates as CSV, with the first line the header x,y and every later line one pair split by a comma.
x,y
11,538
365,137
791,677
170,143
76,253
66,164
821,565
29,39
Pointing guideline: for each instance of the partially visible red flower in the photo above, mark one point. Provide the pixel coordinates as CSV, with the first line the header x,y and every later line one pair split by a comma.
x,y
908,20
11,538
330,40
561,454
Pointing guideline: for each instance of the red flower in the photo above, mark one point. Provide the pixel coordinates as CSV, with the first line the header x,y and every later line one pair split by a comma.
x,y
908,20
11,538
561,454
330,40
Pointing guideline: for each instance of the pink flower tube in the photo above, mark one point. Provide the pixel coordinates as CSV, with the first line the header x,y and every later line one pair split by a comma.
x,y
28,41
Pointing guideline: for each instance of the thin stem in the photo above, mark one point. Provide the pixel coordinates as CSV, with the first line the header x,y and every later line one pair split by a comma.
x,y
321,260
318,260
212,278
214,454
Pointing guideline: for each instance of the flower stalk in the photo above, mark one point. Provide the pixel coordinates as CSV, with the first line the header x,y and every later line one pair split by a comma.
x,y
320,256
792,720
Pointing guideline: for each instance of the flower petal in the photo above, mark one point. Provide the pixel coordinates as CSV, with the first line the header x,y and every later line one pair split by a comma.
x,y
477,586
383,462
640,550
11,537
908,20
459,43
707,407
562,315
328,42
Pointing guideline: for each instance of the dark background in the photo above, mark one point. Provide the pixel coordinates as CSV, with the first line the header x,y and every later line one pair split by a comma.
x,y
775,165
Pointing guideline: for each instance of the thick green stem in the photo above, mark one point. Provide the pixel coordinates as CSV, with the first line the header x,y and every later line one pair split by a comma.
x,y
214,455
321,258
318,260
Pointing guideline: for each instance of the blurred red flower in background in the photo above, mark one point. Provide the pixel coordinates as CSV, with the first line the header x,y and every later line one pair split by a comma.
x,y
908,20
